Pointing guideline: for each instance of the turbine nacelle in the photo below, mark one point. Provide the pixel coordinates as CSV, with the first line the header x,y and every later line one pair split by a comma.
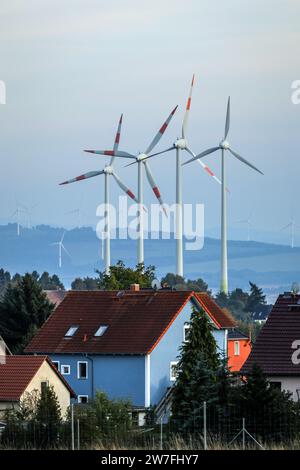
x,y
224,144
181,144
141,157
108,170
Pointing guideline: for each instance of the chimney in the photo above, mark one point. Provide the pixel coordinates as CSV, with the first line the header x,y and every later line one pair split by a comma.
x,y
134,287
85,337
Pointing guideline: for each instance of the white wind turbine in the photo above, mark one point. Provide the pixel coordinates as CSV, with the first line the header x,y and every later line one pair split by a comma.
x,y
224,146
292,225
142,164
249,226
182,144
17,216
61,247
107,172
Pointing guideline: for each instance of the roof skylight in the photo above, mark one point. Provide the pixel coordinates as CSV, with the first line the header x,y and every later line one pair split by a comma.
x,y
101,330
71,331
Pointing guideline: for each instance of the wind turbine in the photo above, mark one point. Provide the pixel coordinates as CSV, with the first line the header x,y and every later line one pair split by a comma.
x,y
142,164
20,210
292,225
224,146
61,247
107,172
249,226
182,144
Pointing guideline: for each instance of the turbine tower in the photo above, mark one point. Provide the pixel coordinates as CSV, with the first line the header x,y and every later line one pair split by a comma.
x,y
107,172
249,226
292,225
61,247
142,164
182,144
224,147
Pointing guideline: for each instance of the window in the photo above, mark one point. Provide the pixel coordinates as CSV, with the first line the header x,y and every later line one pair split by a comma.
x,y
101,330
276,385
173,371
186,331
82,370
56,364
83,398
71,331
44,386
236,348
65,369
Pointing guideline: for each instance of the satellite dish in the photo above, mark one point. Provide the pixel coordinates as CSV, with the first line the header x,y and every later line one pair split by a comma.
x,y
155,284
295,288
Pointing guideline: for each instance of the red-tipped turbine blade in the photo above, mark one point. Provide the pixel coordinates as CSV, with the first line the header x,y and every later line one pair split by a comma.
x,y
160,132
187,110
117,138
124,187
154,186
90,174
111,153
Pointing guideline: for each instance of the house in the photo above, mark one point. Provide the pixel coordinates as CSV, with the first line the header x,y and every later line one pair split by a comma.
x,y
260,315
20,375
55,296
124,343
277,348
239,348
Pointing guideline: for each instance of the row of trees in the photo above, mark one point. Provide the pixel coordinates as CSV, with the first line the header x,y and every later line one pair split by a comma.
x,y
38,421
24,306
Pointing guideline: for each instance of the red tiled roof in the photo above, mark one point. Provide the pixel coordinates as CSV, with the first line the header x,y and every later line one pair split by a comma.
x,y
136,321
18,371
272,350
222,318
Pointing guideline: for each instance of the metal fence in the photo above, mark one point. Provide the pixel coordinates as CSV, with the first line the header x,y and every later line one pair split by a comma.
x,y
205,429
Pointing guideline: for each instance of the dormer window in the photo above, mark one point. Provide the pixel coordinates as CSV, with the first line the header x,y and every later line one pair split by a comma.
x,y
101,330
71,331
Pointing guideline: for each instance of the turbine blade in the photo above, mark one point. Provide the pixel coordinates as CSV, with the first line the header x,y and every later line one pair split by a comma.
x,y
90,174
205,167
154,185
63,236
243,160
286,226
117,139
227,122
187,111
66,251
111,153
202,154
124,187
160,132
150,156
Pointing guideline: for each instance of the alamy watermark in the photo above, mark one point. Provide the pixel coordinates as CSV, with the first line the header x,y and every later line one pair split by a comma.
x,y
2,92
155,223
296,353
295,96
2,352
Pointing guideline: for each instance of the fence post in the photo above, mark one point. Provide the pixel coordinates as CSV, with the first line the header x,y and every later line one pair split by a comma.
x,y
72,427
244,434
204,426
161,432
78,434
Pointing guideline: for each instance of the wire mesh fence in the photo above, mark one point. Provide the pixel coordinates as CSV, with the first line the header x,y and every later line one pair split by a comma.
x,y
208,427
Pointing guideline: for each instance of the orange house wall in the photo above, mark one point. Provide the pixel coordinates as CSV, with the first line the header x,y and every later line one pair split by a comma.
x,y
235,362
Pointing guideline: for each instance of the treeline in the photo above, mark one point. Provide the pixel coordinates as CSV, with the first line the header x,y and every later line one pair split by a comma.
x,y
24,306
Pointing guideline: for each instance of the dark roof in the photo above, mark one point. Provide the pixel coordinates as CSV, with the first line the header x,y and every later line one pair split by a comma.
x,y
236,334
18,371
272,350
55,296
262,312
136,321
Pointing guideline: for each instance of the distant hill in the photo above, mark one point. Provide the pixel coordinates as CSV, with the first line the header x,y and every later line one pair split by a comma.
x,y
272,266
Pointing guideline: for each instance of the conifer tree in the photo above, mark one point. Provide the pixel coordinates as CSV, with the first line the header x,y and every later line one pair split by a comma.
x,y
197,366
23,308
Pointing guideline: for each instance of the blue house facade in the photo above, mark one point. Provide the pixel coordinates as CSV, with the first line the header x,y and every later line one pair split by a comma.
x,y
135,355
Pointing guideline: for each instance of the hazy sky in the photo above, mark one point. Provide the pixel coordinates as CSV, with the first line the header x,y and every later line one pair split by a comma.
x,y
71,67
